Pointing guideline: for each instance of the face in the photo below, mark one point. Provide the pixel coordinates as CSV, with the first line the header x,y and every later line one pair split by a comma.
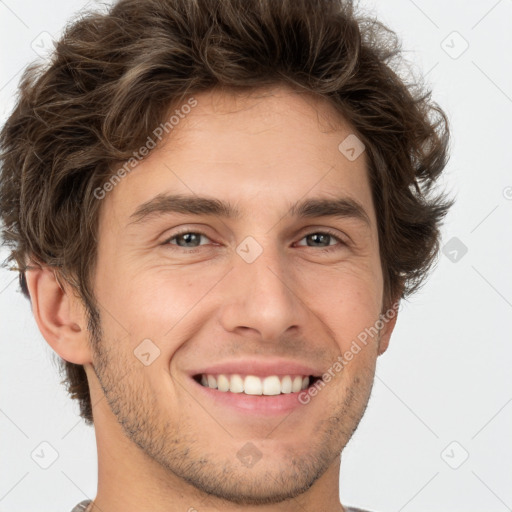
x,y
274,291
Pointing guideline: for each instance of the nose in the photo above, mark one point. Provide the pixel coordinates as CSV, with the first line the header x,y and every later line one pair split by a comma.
x,y
259,297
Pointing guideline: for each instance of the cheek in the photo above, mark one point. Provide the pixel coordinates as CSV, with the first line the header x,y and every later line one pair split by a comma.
x,y
157,303
348,302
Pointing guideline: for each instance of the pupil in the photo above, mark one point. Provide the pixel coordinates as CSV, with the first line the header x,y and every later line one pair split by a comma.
x,y
320,236
187,236
316,237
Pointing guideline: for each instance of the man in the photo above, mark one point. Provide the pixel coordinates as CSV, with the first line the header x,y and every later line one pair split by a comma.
x,y
215,208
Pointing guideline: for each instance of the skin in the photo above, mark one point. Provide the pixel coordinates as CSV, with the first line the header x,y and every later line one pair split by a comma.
x,y
161,446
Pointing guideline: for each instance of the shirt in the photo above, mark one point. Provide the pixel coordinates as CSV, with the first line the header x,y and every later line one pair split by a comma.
x,y
83,505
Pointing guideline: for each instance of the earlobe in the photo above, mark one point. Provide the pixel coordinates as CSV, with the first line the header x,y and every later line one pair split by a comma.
x,y
59,315
389,320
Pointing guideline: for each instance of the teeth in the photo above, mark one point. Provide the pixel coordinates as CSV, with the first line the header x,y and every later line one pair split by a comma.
x,y
253,385
212,382
286,384
297,384
222,383
236,384
271,386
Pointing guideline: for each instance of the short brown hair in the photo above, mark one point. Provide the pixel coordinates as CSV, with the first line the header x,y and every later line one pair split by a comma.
x,y
114,76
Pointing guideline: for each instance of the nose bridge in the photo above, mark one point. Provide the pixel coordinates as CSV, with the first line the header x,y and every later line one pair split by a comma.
x,y
260,296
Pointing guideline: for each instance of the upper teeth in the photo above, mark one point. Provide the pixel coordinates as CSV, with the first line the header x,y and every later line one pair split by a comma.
x,y
253,385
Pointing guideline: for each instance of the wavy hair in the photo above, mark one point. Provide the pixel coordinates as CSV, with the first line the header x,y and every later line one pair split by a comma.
x,y
115,75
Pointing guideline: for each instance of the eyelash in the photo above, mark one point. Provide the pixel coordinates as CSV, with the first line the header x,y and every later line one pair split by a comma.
x,y
323,249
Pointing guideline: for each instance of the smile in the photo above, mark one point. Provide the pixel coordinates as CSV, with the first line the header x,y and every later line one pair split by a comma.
x,y
269,385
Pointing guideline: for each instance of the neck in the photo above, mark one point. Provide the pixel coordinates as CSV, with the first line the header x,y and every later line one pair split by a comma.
x,y
130,481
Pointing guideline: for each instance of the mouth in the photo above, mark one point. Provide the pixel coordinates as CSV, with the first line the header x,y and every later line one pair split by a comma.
x,y
259,387
254,385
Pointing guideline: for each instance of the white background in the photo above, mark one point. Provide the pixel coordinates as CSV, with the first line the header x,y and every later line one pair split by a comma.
x,y
446,376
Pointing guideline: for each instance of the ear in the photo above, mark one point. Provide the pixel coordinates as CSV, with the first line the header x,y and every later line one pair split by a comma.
x,y
59,314
388,318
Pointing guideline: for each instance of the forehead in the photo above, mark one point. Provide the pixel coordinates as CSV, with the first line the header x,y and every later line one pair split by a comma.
x,y
261,148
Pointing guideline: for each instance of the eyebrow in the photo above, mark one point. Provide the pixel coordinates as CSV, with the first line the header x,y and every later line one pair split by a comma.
x,y
343,207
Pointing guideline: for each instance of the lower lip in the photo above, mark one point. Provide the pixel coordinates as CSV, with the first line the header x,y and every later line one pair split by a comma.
x,y
257,404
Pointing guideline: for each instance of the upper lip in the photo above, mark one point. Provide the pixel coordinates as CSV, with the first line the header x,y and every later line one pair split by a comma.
x,y
263,367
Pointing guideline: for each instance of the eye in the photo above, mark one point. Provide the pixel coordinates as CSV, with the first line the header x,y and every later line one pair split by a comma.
x,y
323,237
190,239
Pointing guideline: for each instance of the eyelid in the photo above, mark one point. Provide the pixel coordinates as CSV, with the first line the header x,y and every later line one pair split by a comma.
x,y
308,231
343,241
325,231
183,232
